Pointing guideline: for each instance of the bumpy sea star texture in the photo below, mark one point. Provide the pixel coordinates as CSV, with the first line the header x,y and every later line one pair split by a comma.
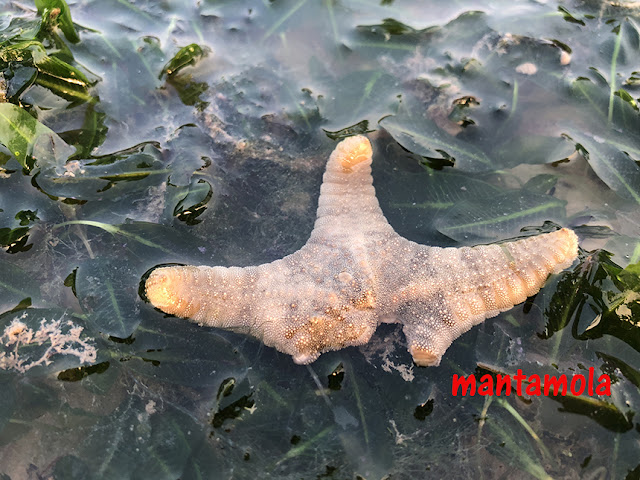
x,y
356,272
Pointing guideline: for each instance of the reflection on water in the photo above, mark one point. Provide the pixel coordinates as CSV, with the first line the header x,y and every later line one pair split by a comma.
x,y
138,134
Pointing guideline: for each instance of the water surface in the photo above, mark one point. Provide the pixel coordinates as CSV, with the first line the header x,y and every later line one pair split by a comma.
x,y
140,133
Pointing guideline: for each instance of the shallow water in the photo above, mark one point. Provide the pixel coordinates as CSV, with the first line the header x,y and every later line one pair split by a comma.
x,y
173,133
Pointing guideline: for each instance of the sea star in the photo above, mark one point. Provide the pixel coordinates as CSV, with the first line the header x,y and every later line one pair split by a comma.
x,y
356,272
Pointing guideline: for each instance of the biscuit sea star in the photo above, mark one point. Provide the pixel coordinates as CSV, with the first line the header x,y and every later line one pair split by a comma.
x,y
355,272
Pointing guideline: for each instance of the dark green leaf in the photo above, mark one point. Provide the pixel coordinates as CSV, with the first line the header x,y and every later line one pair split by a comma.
x,y
90,136
579,291
15,239
391,35
500,216
359,128
188,151
533,149
26,216
624,95
603,108
630,276
19,132
633,474
614,167
603,412
58,12
20,28
63,79
569,17
389,26
54,73
613,365
77,374
22,78
189,90
194,202
594,300
84,180
186,56
420,135
541,184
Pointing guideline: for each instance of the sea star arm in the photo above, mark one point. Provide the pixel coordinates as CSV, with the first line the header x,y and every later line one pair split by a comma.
x,y
289,304
318,299
471,284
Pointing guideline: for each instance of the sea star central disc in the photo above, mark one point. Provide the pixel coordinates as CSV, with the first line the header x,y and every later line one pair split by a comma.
x,y
355,272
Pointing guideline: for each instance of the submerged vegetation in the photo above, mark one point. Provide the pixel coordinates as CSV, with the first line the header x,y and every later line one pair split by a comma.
x,y
139,133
